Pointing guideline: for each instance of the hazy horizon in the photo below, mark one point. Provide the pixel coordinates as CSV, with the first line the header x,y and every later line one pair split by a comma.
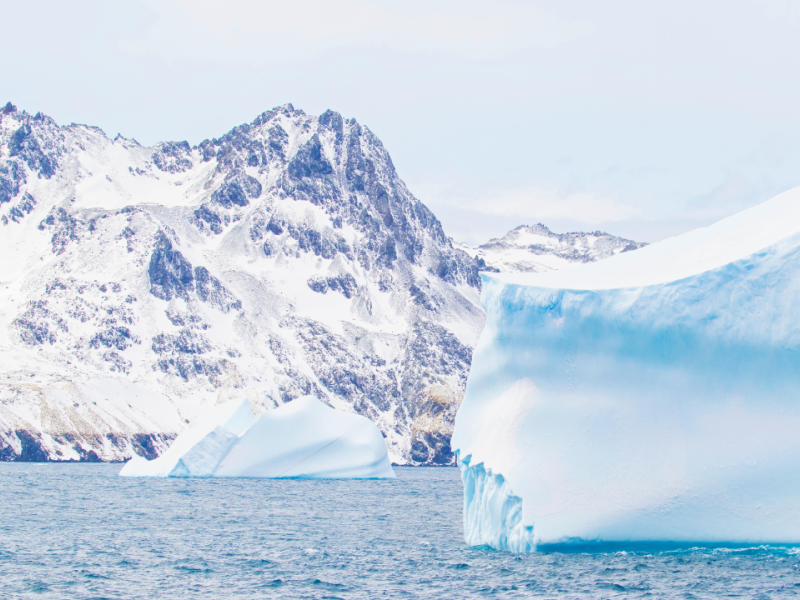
x,y
642,121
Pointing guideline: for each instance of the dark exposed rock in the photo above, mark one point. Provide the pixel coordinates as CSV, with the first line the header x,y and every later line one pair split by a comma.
x,y
12,176
117,362
482,266
64,226
173,157
207,150
22,208
318,284
171,275
419,451
237,191
256,157
185,319
295,384
230,194
311,240
7,452
210,290
345,284
331,119
128,235
181,355
189,367
32,450
343,372
56,284
186,342
120,338
258,221
90,456
39,155
278,140
143,444
421,298
206,217
38,324
431,352
326,244
310,161
433,448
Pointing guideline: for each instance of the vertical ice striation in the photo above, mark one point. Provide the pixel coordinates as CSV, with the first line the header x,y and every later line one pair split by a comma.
x,y
651,397
492,513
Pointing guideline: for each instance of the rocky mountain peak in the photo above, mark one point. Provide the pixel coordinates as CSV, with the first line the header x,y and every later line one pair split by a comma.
x,y
286,257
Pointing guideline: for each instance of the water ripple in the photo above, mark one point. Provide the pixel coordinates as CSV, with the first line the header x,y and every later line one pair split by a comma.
x,y
84,533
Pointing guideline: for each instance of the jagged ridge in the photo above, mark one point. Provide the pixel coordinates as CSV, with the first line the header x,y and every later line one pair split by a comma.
x,y
285,258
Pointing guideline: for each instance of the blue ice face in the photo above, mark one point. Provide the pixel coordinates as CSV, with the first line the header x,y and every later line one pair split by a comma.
x,y
666,412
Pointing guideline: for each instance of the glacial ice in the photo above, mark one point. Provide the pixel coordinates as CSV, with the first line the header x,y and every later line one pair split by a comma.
x,y
652,397
302,439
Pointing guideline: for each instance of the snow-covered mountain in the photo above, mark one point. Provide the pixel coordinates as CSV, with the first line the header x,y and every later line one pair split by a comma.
x,y
535,249
139,285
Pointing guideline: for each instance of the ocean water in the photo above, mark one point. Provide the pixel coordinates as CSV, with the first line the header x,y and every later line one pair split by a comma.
x,y
78,531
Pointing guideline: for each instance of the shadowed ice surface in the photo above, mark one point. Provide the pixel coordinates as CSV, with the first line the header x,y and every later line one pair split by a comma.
x,y
79,531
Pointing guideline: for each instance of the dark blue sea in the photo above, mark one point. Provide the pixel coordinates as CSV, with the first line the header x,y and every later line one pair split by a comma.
x,y
78,531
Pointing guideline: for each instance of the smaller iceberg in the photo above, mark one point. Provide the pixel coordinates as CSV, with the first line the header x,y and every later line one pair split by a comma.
x,y
302,439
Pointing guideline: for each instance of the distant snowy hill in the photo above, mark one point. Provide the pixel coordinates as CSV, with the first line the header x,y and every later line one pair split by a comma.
x,y
138,285
535,249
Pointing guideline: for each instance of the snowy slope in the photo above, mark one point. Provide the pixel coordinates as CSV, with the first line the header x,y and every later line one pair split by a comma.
x,y
650,397
140,286
536,249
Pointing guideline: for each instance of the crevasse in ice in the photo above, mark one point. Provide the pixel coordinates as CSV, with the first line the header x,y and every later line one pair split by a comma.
x,y
301,439
651,397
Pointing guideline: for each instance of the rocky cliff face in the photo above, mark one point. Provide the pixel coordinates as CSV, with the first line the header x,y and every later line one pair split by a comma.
x,y
138,285
534,249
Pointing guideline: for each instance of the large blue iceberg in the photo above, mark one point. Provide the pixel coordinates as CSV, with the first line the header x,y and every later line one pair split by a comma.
x,y
302,439
651,397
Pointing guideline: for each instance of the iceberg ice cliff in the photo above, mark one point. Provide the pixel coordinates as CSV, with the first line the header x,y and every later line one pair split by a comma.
x,y
302,439
651,397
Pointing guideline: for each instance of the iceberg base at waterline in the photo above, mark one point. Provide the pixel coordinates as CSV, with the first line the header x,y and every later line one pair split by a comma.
x,y
492,513
650,398
302,439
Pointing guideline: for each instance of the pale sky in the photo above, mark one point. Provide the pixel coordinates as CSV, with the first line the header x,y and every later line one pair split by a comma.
x,y
642,119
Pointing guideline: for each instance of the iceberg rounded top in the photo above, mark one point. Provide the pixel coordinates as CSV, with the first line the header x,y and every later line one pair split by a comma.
x,y
686,255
